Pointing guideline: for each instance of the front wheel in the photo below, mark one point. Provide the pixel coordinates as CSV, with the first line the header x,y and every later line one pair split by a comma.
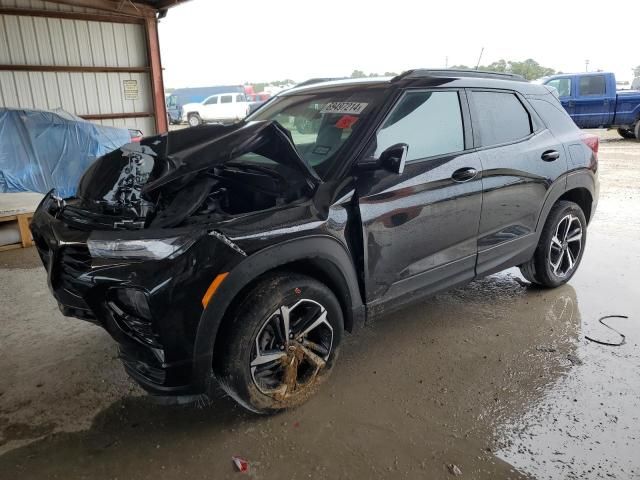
x,y
637,130
280,344
194,120
560,247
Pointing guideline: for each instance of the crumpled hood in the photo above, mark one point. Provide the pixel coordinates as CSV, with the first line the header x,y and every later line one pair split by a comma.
x,y
198,149
125,175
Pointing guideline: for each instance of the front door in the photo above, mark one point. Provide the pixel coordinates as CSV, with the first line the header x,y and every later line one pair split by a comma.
x,y
564,86
420,227
210,108
226,110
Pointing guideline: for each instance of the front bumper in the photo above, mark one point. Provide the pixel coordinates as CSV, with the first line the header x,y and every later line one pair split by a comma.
x,y
152,308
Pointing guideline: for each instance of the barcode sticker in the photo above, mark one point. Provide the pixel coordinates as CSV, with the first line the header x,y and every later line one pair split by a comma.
x,y
350,108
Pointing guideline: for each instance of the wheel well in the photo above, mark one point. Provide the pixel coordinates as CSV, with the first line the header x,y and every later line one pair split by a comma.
x,y
322,270
582,197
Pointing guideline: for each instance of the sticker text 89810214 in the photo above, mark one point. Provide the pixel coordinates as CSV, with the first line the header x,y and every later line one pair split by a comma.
x,y
351,108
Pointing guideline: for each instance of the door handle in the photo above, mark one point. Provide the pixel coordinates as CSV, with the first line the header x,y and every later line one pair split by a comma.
x,y
464,174
550,155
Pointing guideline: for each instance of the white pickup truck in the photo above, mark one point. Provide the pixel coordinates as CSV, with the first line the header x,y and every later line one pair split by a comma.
x,y
222,108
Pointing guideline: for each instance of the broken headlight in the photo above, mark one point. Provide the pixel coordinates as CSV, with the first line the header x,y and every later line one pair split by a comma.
x,y
139,249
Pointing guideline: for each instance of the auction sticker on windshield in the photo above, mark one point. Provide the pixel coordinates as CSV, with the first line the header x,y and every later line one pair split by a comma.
x,y
352,108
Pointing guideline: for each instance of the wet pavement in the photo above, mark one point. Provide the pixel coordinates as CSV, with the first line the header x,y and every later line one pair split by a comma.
x,y
496,378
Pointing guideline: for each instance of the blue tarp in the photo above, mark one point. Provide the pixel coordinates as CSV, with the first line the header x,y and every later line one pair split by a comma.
x,y
41,149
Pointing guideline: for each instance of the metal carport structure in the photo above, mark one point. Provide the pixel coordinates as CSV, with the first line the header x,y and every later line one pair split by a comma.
x,y
98,59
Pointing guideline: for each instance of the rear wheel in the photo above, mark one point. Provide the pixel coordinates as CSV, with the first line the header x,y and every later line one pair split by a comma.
x,y
280,344
194,120
560,247
625,133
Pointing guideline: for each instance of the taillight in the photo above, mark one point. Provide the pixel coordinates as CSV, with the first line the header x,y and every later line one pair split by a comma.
x,y
592,141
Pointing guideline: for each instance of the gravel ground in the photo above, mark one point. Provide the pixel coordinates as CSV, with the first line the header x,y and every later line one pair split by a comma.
x,y
496,378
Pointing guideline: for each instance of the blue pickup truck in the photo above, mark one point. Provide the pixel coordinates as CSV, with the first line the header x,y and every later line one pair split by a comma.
x,y
592,101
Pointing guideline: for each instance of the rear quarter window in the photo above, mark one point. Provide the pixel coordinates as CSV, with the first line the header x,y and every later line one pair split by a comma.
x,y
553,115
501,117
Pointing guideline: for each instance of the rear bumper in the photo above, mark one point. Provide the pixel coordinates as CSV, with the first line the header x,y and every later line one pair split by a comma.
x,y
151,308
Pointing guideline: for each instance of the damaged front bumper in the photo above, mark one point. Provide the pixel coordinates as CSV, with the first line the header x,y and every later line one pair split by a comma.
x,y
151,307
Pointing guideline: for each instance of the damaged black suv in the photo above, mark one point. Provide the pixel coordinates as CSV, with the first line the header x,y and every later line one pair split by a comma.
x,y
240,254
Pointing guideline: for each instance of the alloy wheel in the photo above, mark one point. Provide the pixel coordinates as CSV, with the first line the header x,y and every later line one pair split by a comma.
x,y
566,245
290,350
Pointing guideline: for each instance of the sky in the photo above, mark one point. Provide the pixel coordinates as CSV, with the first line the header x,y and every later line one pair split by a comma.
x,y
213,42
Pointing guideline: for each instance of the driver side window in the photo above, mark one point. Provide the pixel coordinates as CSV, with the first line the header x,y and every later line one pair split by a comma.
x,y
211,101
429,122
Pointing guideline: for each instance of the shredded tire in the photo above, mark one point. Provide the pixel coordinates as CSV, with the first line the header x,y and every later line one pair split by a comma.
x,y
232,360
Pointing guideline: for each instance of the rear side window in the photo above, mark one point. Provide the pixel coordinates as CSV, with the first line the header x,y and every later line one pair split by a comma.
x,y
591,85
502,118
553,115
429,122
226,99
562,85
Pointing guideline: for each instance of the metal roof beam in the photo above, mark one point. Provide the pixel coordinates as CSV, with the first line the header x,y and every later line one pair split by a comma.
x,y
123,7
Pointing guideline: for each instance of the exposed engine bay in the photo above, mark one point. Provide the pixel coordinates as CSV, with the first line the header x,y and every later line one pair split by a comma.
x,y
202,174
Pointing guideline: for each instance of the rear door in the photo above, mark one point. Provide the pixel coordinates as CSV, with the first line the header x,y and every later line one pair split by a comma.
x,y
420,228
592,104
520,160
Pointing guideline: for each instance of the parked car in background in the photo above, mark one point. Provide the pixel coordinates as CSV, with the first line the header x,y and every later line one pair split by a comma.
x,y
256,100
592,101
240,254
221,108
174,110
182,96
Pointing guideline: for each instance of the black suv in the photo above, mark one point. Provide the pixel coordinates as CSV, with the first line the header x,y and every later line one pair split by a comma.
x,y
240,254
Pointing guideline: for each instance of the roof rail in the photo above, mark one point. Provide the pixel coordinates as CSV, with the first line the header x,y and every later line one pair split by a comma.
x,y
312,81
451,72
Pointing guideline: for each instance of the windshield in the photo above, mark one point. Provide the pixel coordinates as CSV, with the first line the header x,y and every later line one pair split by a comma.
x,y
320,124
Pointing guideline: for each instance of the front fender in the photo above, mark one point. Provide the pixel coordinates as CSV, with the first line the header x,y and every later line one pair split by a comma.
x,y
322,248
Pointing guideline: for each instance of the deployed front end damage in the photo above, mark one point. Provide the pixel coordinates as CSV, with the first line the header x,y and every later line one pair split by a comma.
x,y
139,245
201,174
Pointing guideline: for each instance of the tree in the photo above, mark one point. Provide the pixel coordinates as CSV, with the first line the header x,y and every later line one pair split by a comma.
x,y
529,68
636,71
499,66
390,74
358,74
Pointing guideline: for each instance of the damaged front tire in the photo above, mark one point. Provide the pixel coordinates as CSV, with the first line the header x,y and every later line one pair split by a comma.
x,y
281,343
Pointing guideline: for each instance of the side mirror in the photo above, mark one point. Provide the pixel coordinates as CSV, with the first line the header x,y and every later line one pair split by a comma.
x,y
392,159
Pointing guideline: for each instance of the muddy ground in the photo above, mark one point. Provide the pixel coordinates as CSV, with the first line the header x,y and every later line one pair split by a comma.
x,y
496,378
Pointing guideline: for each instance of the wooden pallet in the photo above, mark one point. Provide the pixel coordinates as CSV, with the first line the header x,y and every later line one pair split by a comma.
x,y
23,220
